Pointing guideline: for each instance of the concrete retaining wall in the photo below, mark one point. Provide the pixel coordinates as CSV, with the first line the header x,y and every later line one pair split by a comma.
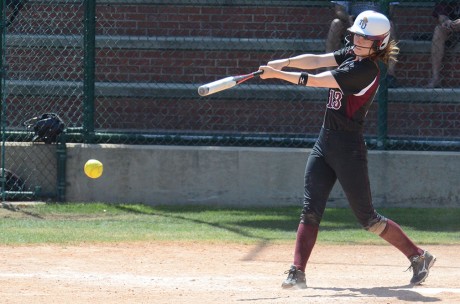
x,y
238,176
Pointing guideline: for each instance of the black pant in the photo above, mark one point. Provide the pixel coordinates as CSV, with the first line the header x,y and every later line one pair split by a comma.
x,y
338,155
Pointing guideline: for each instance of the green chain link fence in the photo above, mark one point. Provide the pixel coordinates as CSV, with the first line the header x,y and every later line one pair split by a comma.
x,y
128,71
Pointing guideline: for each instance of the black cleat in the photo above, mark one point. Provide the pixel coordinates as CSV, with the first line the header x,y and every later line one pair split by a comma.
x,y
295,279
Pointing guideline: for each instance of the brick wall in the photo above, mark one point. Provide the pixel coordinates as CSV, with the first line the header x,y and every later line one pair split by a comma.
x,y
263,22
278,117
214,21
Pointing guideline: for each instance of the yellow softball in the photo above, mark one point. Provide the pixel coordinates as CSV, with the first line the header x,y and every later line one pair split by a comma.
x,y
93,168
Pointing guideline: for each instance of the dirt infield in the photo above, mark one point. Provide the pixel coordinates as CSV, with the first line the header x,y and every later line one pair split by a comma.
x,y
206,273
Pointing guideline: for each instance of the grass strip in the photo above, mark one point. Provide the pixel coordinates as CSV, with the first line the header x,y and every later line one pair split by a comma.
x,y
97,222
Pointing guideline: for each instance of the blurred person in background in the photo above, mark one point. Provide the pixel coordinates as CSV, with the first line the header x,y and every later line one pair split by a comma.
x,y
446,34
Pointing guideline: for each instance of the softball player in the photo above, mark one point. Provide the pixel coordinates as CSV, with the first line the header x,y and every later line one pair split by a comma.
x,y
340,152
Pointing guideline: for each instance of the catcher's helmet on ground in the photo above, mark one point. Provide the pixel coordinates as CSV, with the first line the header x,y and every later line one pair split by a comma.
x,y
372,26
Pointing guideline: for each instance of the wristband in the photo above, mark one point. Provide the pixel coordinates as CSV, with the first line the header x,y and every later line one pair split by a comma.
x,y
289,62
303,79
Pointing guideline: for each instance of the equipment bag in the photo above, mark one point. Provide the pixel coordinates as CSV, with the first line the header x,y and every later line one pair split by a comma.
x,y
12,181
47,128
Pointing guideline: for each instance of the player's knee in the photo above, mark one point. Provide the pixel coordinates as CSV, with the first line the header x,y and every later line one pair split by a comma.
x,y
310,218
377,225
337,26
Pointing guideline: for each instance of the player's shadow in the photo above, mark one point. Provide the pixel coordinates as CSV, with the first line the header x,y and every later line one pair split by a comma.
x,y
403,293
232,228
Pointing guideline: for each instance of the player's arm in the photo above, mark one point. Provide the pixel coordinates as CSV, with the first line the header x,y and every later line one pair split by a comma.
x,y
442,18
445,22
305,62
455,25
341,12
321,80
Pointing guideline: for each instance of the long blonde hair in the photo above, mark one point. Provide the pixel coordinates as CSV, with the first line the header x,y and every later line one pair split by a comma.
x,y
389,53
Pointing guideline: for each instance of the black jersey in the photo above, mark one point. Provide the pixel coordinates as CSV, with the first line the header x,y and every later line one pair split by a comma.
x,y
358,81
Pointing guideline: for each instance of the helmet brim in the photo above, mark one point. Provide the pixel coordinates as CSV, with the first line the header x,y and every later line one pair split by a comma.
x,y
358,31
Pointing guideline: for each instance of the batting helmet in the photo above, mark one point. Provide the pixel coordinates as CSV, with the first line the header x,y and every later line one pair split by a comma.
x,y
372,26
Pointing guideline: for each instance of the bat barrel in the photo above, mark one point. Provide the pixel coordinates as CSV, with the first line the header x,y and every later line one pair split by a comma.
x,y
203,90
225,83
216,86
